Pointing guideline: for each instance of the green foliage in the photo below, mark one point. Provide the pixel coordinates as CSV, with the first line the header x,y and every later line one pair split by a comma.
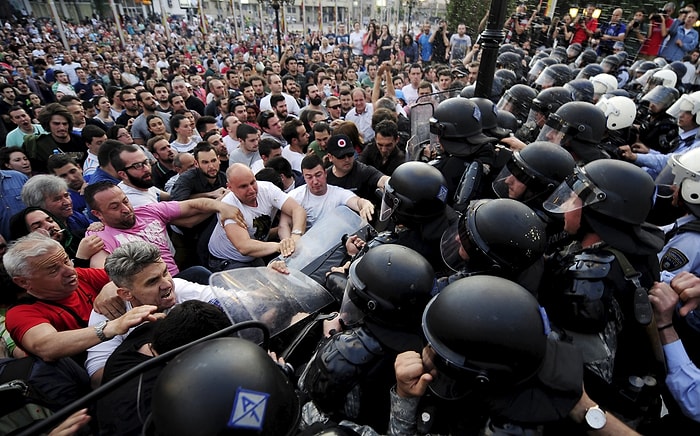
x,y
471,12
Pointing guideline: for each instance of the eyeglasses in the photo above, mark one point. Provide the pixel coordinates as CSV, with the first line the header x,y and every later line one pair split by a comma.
x,y
337,106
123,134
138,165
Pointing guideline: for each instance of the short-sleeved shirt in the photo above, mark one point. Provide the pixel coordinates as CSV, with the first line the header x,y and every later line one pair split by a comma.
x,y
184,291
258,219
139,128
362,180
317,205
151,226
23,317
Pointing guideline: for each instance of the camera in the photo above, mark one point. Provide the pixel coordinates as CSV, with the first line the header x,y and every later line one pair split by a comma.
x,y
635,24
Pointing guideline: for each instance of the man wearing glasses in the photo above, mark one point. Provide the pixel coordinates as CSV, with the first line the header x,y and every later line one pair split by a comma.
x,y
134,170
131,108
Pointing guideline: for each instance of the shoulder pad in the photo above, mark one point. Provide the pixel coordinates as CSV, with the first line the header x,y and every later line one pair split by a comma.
x,y
588,265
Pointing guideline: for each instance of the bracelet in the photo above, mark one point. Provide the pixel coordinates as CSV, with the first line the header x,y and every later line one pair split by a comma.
x,y
664,327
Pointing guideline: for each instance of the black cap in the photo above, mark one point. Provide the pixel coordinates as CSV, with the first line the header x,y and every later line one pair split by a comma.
x,y
340,146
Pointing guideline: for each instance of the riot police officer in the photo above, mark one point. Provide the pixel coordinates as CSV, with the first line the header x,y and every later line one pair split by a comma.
x,y
457,123
596,289
386,293
501,237
579,127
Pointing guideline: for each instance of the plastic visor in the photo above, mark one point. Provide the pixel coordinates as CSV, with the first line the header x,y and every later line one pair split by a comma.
x,y
350,313
389,203
574,193
680,172
451,247
685,103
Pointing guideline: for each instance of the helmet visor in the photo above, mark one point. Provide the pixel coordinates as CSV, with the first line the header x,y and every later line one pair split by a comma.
x,y
350,312
390,202
680,171
574,193
511,181
453,252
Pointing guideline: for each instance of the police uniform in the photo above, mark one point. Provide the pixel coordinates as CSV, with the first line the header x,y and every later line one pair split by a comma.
x,y
681,250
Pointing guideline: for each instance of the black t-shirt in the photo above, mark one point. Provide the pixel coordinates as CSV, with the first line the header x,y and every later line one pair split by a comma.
x,y
195,104
362,180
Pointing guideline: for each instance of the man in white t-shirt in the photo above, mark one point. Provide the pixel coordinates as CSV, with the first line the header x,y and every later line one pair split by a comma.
x,y
356,37
318,197
231,246
142,278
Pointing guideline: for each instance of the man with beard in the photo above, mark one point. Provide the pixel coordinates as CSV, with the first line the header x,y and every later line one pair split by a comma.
x,y
134,170
205,180
162,95
56,120
315,98
149,223
164,154
149,105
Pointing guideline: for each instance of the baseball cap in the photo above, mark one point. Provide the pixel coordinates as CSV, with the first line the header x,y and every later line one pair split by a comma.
x,y
340,146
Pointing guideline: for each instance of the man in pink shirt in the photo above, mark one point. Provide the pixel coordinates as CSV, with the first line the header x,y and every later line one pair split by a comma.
x,y
149,223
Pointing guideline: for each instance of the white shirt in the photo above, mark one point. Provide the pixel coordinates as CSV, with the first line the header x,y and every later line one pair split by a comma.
x,y
292,105
138,197
363,121
316,206
258,220
293,157
184,291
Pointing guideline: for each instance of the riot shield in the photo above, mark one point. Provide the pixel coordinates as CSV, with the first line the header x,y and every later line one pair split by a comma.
x,y
420,115
280,301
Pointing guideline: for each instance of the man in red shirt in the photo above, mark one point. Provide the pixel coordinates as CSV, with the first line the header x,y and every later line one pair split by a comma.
x,y
585,26
53,322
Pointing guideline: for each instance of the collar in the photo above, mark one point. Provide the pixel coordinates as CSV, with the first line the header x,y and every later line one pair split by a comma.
x,y
688,133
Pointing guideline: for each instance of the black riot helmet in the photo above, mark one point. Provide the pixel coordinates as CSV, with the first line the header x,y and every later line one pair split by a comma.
x,y
548,101
559,53
573,50
387,290
644,67
507,120
576,120
415,194
541,167
615,198
489,118
483,332
590,70
539,66
467,91
500,236
553,75
610,64
581,89
507,77
225,386
506,48
662,97
517,100
510,61
612,188
588,56
457,121
679,68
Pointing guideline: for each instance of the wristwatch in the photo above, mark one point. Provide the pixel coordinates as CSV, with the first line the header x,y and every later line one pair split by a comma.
x,y
297,232
100,331
595,418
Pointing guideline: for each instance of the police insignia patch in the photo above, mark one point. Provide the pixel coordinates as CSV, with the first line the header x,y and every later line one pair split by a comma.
x,y
248,409
673,259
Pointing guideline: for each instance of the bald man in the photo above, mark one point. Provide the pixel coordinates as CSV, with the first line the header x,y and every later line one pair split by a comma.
x,y
231,246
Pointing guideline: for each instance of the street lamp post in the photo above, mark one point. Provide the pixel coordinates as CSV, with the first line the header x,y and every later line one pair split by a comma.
x,y
275,4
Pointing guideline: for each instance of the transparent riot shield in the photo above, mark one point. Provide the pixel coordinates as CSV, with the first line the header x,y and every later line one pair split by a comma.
x,y
280,301
420,115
